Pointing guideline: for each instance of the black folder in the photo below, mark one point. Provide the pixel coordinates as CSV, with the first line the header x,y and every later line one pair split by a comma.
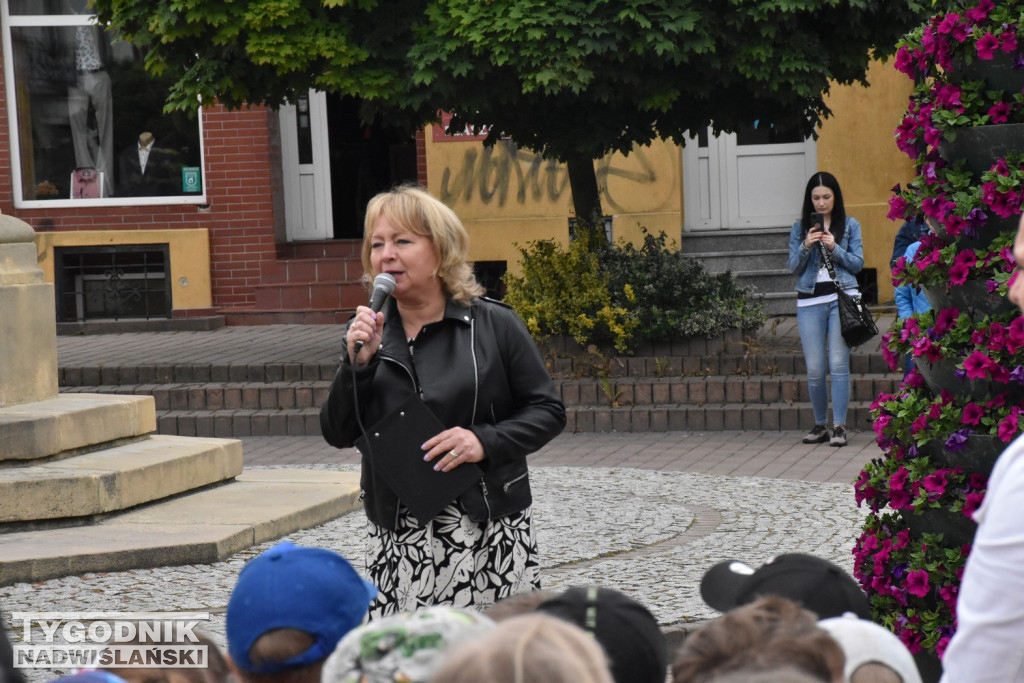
x,y
393,446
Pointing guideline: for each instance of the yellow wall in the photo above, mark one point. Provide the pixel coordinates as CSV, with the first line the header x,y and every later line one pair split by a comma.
x,y
856,145
189,252
507,196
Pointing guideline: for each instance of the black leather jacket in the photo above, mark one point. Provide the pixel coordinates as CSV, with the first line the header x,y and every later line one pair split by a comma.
x,y
476,368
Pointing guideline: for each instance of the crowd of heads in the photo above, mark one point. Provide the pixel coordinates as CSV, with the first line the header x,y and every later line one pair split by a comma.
x,y
300,615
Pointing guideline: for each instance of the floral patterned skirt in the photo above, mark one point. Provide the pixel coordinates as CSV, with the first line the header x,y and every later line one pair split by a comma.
x,y
452,560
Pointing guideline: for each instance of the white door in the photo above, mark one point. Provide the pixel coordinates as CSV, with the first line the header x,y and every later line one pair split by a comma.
x,y
306,169
753,179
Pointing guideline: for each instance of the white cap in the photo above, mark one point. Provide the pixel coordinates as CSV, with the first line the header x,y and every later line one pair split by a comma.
x,y
865,642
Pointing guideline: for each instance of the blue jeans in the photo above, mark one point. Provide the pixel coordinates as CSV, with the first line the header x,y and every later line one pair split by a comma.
x,y
815,324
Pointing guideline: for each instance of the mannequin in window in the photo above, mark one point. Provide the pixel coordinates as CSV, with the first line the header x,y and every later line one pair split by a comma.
x,y
94,147
146,170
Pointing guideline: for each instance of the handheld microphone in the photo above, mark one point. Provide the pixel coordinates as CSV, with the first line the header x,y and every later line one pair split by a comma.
x,y
383,285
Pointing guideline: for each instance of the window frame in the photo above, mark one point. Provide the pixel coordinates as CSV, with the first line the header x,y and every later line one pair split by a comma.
x,y
9,22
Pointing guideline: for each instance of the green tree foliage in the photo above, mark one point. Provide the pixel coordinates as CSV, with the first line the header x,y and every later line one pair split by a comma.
x,y
570,79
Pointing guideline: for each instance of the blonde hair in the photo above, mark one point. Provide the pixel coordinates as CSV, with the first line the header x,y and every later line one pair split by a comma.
x,y
414,210
532,648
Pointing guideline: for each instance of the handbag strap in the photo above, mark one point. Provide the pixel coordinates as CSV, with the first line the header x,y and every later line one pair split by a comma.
x,y
828,264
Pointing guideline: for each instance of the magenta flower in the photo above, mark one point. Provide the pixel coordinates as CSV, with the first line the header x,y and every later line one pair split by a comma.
x,y
999,112
948,23
977,365
997,337
892,359
935,484
1008,41
979,12
948,594
948,96
917,583
945,319
956,225
987,46
1008,428
897,208
972,414
1015,335
958,273
972,501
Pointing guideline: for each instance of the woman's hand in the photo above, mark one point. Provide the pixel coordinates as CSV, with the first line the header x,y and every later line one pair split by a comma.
x,y
455,446
824,236
366,327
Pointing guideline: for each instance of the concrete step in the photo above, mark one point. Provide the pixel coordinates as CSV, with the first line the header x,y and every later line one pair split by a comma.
x,y
681,417
272,316
776,280
202,323
221,395
750,383
242,422
729,365
721,261
115,478
70,422
198,528
712,391
748,240
600,415
131,375
780,303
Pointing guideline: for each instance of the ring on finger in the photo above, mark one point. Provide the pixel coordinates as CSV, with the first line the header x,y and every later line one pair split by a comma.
x,y
455,456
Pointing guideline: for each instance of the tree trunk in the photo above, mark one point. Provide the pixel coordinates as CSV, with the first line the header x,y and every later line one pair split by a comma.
x,y
586,199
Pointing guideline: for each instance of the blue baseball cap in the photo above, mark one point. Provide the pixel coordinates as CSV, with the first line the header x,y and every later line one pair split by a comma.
x,y
313,590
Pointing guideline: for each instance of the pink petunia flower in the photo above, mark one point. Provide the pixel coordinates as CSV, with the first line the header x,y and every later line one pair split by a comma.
x,y
987,46
917,583
999,112
972,414
972,501
979,12
935,484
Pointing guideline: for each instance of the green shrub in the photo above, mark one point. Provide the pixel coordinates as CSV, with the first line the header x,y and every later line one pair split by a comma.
x,y
624,295
566,292
675,296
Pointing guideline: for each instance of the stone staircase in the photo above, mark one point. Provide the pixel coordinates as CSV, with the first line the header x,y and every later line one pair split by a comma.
x,y
756,257
85,483
734,382
309,283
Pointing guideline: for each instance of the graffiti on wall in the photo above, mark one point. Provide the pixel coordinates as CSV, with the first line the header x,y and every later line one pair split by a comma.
x,y
499,175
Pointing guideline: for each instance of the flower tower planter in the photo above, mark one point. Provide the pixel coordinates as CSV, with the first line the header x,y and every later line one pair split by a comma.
x,y
943,430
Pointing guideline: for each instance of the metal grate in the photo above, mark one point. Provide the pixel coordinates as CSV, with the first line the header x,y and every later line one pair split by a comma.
x,y
112,283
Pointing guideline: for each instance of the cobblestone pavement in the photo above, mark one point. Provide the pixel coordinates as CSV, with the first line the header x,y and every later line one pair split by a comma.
x,y
644,513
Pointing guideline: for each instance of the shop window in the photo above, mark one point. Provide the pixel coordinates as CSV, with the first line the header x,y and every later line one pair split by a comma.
x,y
112,283
87,123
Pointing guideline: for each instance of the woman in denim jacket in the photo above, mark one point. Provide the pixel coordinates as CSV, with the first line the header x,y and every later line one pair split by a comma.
x,y
817,312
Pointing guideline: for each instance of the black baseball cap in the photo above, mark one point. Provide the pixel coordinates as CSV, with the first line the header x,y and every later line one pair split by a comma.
x,y
817,584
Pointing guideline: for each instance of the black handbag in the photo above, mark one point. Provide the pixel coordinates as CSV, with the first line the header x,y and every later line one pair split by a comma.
x,y
857,323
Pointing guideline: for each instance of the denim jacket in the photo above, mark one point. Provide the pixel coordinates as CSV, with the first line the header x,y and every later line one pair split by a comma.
x,y
848,257
910,299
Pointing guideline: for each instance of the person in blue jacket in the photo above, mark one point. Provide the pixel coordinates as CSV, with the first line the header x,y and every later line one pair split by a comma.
x,y
817,312
911,300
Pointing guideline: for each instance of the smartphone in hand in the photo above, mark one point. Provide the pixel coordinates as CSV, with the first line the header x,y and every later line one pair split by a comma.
x,y
817,221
